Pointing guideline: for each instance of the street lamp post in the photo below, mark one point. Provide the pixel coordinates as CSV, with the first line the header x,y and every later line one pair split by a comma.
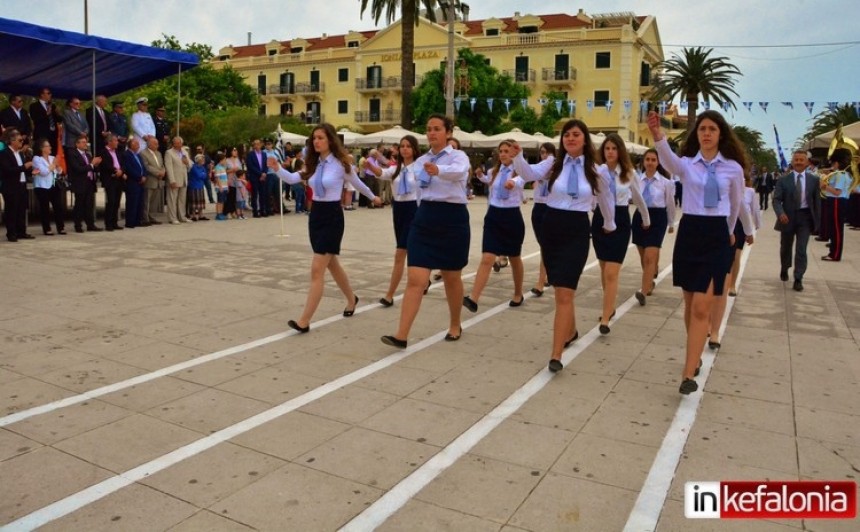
x,y
448,7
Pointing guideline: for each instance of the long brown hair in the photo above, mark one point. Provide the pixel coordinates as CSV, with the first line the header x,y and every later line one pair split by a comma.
x,y
334,145
587,152
623,156
729,146
413,143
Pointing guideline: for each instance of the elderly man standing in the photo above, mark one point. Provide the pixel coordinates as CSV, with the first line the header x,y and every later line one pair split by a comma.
x,y
113,180
75,124
177,163
135,172
153,164
142,125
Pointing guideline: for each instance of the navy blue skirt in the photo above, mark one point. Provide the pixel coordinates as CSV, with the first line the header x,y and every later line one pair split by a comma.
x,y
740,236
702,254
504,231
439,236
611,247
404,213
325,227
653,236
538,211
564,246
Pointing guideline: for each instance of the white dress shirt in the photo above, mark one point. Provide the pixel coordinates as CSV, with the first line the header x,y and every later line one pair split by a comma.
x,y
333,176
407,172
694,175
20,161
450,185
627,192
750,213
662,191
536,173
515,195
45,178
559,198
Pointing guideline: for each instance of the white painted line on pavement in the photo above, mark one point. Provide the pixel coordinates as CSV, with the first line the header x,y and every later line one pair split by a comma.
x,y
98,491
140,379
649,504
403,491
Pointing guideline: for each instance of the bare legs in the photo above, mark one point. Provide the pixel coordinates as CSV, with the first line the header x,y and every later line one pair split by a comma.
x,y
736,268
319,265
541,282
564,323
482,275
518,273
416,282
718,311
609,279
697,313
396,273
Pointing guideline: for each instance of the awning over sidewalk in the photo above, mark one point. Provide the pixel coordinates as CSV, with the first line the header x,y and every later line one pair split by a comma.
x,y
36,56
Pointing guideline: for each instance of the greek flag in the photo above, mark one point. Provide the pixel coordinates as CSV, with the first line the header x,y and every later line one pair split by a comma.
x,y
783,164
748,105
490,104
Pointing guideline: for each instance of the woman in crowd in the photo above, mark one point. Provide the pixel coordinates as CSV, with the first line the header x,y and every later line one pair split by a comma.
x,y
504,229
45,172
198,174
405,204
326,167
221,184
658,191
541,191
573,182
712,168
231,165
611,248
744,234
439,235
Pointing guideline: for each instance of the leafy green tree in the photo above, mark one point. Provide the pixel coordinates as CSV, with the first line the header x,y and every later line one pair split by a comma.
x,y
170,42
828,120
758,152
484,82
693,74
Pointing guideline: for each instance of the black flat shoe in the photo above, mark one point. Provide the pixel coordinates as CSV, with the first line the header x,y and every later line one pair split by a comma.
x,y
428,287
798,285
437,277
385,302
555,365
295,326
572,339
604,329
347,312
469,304
497,267
640,297
513,303
688,386
713,345
536,292
783,275
393,342
451,338
698,369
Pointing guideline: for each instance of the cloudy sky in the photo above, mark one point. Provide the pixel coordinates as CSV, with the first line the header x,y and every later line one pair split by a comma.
x,y
769,40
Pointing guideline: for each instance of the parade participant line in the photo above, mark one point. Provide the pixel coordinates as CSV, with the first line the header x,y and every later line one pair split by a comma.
x,y
113,484
140,379
649,504
384,507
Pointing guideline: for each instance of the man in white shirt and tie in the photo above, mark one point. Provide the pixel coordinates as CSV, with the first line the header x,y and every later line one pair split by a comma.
x,y
797,204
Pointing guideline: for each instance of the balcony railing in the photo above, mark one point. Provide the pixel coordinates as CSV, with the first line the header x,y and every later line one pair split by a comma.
x,y
386,116
310,119
378,84
310,88
280,90
521,76
553,76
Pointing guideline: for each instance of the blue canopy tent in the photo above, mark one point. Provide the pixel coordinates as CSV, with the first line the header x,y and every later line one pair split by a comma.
x,y
74,64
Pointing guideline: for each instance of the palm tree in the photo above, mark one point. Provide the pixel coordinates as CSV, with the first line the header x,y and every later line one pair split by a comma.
x,y
695,73
828,120
757,150
411,12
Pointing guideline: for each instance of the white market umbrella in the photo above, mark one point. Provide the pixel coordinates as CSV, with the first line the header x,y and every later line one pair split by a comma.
x,y
851,131
287,136
467,139
390,136
526,141
350,138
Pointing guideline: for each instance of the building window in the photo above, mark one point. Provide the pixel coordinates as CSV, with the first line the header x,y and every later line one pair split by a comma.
x,y
224,57
296,50
343,74
492,32
261,84
287,109
342,107
273,52
352,44
261,110
602,59
600,98
528,29
487,61
645,75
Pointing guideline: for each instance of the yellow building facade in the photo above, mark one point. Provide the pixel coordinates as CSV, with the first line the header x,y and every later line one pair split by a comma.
x,y
354,80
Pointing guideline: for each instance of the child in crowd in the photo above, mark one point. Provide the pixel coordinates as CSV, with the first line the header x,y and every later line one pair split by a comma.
x,y
242,192
221,184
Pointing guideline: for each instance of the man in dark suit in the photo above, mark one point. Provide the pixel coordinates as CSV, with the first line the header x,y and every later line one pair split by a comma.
x,y
113,180
255,163
46,119
764,187
162,129
16,117
135,174
100,127
82,176
797,203
14,170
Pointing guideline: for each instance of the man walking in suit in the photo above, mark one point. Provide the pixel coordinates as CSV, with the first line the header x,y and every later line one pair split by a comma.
x,y
797,203
16,117
255,163
82,176
75,124
14,169
764,187
177,163
46,119
113,180
135,173
153,164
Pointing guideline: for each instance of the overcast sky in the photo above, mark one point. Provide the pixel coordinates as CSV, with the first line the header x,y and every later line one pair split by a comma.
x,y
787,74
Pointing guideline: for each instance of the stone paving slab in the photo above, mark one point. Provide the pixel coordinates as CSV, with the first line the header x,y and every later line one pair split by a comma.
x,y
94,309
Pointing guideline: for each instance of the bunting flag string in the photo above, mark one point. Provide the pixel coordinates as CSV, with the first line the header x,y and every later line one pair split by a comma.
x,y
490,104
790,105
571,107
507,105
608,106
542,102
809,106
558,104
726,106
763,105
472,102
589,104
748,105
831,106
628,105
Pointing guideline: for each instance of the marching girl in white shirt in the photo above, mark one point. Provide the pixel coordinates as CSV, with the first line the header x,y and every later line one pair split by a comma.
x,y
573,182
658,192
439,235
405,205
504,229
547,151
611,248
327,165
712,171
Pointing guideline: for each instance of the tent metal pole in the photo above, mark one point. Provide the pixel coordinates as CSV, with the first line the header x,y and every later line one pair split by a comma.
x,y
178,98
